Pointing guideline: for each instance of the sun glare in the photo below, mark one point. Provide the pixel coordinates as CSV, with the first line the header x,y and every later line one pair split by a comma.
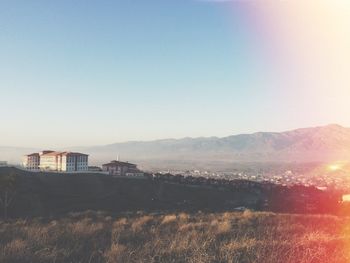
x,y
334,167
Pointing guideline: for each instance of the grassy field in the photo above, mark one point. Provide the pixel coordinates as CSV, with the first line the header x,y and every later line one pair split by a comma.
x,y
198,237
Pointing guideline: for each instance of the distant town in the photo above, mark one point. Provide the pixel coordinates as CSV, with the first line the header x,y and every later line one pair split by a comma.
x,y
322,179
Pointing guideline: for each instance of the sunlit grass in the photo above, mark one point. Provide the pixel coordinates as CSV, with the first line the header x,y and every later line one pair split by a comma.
x,y
182,237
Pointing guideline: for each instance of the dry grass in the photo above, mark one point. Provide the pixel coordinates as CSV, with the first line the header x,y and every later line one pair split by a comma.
x,y
200,237
169,219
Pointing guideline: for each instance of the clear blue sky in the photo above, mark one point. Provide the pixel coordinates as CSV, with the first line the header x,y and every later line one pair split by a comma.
x,y
98,72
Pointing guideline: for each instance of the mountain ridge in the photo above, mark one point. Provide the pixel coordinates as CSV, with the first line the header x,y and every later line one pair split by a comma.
x,y
315,144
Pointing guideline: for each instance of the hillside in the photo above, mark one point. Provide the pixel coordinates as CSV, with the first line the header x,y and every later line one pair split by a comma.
x,y
49,194
45,194
177,237
96,218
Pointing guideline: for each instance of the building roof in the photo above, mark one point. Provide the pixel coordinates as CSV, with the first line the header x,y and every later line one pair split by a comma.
x,y
52,153
32,154
74,153
118,163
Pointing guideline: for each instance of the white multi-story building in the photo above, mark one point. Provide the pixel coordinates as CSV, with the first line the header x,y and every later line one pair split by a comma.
x,y
61,161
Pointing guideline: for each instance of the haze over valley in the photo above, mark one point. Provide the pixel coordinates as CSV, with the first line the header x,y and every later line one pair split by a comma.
x,y
319,144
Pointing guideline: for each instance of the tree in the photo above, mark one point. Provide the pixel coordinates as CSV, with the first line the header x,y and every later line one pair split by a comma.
x,y
7,191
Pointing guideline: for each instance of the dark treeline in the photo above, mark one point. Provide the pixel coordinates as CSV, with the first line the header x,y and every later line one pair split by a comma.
x,y
48,194
273,197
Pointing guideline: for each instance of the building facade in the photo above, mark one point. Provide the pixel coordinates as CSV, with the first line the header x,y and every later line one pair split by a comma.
x,y
59,161
117,168
32,161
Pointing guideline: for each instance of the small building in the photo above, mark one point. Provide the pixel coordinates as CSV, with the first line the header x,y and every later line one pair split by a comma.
x,y
117,168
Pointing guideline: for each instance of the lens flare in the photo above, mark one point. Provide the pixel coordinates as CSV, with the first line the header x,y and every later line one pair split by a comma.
x,y
306,44
334,167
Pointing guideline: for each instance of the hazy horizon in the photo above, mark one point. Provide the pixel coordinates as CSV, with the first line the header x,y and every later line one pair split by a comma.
x,y
160,139
86,73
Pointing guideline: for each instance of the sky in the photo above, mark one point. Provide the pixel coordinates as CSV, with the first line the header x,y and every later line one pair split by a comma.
x,y
75,73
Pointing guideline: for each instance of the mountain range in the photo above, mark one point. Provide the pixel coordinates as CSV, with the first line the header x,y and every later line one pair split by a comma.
x,y
317,144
